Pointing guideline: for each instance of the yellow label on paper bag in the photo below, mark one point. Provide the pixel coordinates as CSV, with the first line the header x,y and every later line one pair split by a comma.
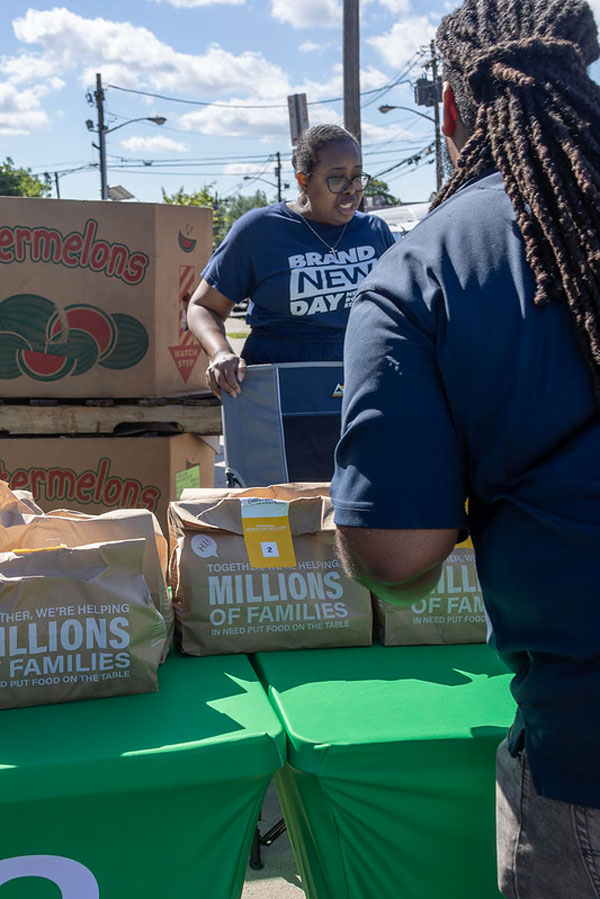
x,y
267,534
42,549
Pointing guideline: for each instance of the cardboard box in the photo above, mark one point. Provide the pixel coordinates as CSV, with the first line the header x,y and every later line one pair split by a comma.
x,y
95,474
93,298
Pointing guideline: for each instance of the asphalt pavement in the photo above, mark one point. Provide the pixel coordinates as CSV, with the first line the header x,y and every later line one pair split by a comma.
x,y
278,878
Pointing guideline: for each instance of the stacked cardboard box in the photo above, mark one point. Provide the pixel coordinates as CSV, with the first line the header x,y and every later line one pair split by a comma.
x,y
92,307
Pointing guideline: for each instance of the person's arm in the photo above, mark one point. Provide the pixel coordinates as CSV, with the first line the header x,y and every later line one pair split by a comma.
x,y
208,311
399,483
398,566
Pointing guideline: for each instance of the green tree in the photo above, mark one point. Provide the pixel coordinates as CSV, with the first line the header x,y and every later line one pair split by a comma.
x,y
206,196
202,197
377,188
20,182
226,210
237,204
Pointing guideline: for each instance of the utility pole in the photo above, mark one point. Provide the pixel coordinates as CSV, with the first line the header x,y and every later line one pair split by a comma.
x,y
57,185
351,64
436,115
99,95
278,176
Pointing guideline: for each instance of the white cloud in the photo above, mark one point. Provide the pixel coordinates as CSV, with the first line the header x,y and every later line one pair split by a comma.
x,y
269,124
192,4
333,86
27,68
308,13
312,47
20,109
237,120
244,168
133,57
399,44
21,121
154,145
396,6
62,42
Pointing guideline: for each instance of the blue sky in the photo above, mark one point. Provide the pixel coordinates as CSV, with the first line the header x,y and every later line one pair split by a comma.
x,y
246,56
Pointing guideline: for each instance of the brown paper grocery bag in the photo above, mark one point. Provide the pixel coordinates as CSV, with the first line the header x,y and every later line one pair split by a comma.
x,y
16,506
256,570
63,526
452,613
77,623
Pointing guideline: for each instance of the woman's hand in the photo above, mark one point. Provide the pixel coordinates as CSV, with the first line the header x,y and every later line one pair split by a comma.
x,y
207,313
226,371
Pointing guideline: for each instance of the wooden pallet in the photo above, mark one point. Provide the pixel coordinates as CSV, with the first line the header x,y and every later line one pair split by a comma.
x,y
195,414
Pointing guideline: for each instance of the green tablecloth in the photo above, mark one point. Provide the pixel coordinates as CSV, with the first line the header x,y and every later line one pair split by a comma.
x,y
388,792
157,795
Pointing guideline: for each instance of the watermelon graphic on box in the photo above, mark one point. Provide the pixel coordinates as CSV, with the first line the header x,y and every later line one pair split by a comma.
x,y
38,342
187,244
90,298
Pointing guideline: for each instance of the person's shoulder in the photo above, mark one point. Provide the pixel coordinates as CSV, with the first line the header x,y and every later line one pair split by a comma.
x,y
474,201
472,233
253,225
477,208
483,189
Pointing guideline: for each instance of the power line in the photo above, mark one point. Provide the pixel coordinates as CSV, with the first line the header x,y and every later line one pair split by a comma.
x,y
155,167
130,90
150,170
123,162
403,174
417,157
397,79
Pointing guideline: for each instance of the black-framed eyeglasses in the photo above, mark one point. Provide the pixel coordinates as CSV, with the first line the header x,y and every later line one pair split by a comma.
x,y
337,184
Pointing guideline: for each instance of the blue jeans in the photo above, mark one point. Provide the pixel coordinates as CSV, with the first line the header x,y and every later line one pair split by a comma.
x,y
546,849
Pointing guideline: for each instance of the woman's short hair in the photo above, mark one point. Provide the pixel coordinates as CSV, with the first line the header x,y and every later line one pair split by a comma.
x,y
311,142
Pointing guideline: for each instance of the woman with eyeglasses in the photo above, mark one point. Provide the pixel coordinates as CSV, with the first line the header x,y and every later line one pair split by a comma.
x,y
299,264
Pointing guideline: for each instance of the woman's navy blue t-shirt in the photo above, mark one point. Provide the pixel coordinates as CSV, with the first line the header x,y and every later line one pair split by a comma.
x,y
271,256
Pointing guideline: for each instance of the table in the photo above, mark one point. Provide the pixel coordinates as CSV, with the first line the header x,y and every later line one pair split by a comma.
x,y
388,792
154,796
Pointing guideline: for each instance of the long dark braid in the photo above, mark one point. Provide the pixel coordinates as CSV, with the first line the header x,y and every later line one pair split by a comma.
x,y
519,73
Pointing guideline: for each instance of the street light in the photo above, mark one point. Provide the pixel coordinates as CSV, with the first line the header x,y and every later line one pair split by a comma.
x,y
438,143
101,130
157,119
408,109
101,146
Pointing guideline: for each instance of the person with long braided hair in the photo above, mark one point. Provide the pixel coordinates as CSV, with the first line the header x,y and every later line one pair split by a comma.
x,y
472,371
